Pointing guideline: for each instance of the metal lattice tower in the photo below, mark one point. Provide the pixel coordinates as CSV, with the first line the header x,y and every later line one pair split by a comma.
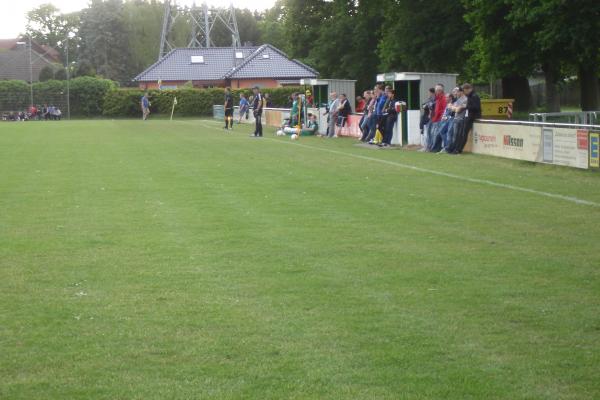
x,y
202,21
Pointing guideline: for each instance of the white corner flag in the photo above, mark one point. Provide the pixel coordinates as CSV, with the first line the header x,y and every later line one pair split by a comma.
x,y
173,109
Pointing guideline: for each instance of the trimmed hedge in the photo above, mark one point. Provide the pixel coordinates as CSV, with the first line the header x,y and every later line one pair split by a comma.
x,y
87,95
190,102
14,95
122,103
92,97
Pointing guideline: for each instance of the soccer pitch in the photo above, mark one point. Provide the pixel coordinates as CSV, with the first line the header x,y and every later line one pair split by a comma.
x,y
172,260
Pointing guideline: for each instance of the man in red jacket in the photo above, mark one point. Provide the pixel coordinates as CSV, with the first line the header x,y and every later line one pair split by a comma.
x,y
436,116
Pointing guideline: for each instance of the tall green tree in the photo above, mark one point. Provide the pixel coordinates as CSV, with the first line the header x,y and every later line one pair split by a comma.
x,y
144,21
500,49
303,20
346,46
271,26
46,25
105,40
566,37
423,36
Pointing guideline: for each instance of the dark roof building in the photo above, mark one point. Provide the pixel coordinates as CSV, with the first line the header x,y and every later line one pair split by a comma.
x,y
241,67
14,59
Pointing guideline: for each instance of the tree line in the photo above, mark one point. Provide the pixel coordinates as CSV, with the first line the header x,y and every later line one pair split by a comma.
x,y
482,40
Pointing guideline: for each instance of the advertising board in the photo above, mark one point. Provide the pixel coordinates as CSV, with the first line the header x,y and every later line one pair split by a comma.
x,y
510,141
594,149
559,146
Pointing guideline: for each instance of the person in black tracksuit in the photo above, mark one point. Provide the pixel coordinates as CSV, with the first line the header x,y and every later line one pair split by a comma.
x,y
257,104
228,109
473,112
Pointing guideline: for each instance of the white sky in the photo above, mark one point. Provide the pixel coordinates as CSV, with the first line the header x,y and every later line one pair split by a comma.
x,y
12,17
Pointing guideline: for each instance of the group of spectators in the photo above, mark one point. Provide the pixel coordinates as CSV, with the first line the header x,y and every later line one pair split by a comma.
x,y
448,118
380,112
34,113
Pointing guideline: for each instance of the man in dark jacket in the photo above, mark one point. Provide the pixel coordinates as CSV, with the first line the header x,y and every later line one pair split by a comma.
x,y
473,112
344,111
257,105
390,117
427,107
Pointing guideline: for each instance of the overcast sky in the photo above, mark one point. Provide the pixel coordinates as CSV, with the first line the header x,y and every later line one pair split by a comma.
x,y
12,17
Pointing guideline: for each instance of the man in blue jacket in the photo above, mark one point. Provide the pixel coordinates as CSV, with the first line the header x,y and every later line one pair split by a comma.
x,y
377,112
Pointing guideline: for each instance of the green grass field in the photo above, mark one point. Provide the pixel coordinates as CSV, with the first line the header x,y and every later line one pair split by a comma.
x,y
167,260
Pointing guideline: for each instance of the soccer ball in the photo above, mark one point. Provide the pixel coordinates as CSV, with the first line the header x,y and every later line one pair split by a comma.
x,y
294,137
280,133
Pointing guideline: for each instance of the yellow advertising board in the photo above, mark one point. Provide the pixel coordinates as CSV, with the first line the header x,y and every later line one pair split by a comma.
x,y
496,108
594,144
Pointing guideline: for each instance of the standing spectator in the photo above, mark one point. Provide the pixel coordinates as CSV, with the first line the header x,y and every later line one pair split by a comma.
x,y
309,98
363,120
244,107
268,102
373,119
294,111
344,111
258,109
367,123
33,112
390,117
460,108
473,112
145,104
427,108
379,119
436,118
228,106
360,104
332,113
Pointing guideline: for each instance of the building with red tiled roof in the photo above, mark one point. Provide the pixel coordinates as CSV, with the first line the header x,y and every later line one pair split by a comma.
x,y
15,59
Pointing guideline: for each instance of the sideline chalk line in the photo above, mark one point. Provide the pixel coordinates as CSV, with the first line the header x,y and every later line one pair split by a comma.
x,y
571,199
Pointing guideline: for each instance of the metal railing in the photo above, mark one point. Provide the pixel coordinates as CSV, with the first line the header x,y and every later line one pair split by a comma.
x,y
583,118
543,124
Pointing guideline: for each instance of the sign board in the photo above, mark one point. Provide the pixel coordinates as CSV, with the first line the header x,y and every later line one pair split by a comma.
x,y
510,141
559,146
594,149
495,108
548,143
570,147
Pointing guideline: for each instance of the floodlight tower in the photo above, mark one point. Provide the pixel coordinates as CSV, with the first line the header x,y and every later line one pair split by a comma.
x,y
202,20
169,17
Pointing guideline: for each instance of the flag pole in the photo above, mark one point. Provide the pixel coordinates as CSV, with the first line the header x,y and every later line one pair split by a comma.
x,y
173,109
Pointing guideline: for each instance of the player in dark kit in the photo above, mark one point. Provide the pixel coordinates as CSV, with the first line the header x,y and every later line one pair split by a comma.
x,y
228,109
257,104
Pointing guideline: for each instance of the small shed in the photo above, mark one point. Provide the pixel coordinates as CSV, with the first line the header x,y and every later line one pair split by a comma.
x,y
413,88
321,88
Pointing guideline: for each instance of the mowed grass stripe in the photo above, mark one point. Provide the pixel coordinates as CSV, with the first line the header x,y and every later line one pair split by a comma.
x,y
439,173
217,266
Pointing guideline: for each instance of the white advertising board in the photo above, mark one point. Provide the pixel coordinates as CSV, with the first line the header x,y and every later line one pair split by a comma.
x,y
569,147
559,146
510,141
